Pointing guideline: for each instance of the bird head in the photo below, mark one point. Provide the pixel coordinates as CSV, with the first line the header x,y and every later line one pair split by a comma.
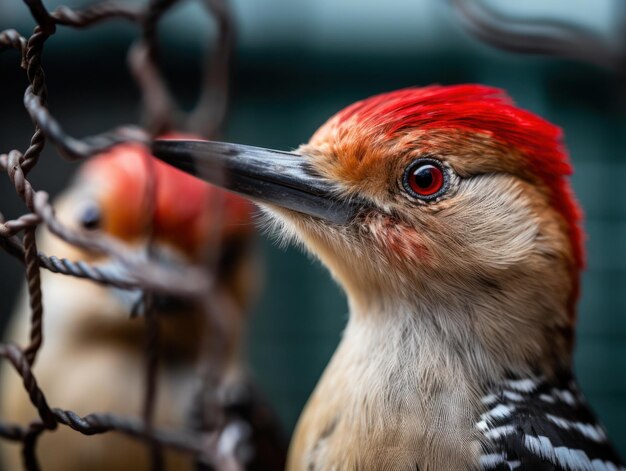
x,y
442,203
127,194
160,213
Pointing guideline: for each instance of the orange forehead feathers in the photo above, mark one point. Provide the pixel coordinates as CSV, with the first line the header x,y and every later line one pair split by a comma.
x,y
185,209
474,109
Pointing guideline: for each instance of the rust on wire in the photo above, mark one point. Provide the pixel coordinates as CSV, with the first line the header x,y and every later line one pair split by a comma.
x,y
161,114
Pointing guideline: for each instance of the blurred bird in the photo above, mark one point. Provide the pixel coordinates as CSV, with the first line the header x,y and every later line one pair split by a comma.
x,y
92,358
446,215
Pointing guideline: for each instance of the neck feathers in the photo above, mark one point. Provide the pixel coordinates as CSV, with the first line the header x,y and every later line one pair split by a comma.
x,y
400,393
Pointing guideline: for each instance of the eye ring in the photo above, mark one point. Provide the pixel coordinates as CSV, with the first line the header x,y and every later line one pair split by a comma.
x,y
90,217
426,179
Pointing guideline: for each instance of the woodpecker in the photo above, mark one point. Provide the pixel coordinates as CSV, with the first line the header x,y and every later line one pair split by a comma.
x,y
93,355
446,214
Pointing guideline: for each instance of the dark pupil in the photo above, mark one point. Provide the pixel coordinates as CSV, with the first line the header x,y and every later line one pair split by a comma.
x,y
90,219
424,176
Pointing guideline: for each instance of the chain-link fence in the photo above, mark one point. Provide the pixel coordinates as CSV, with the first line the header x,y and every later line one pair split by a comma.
x,y
161,115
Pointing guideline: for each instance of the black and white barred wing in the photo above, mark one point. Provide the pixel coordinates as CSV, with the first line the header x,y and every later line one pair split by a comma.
x,y
530,424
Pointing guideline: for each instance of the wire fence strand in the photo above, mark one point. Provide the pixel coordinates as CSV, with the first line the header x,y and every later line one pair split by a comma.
x,y
549,37
161,114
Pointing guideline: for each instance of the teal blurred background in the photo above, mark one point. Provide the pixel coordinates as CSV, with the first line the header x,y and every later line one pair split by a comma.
x,y
297,63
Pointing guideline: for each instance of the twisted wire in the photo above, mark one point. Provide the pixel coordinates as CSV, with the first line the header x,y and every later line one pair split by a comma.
x,y
33,277
36,76
538,36
160,114
96,13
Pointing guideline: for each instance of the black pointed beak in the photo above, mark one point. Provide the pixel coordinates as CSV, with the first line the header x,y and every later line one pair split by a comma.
x,y
267,176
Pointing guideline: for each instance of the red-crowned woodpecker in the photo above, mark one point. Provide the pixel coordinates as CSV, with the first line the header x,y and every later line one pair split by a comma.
x,y
92,359
446,215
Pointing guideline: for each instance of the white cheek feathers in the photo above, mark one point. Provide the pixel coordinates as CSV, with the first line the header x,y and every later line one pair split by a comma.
x,y
487,224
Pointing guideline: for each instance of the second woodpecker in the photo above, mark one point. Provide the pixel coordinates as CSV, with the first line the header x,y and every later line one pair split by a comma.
x,y
93,355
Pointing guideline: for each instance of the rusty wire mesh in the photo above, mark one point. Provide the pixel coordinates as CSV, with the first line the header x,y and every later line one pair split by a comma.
x,y
161,114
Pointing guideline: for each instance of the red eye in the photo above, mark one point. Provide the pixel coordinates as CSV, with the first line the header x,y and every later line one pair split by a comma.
x,y
425,179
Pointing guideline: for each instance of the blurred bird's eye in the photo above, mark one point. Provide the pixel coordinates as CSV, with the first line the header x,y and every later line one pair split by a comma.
x,y
425,179
90,217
